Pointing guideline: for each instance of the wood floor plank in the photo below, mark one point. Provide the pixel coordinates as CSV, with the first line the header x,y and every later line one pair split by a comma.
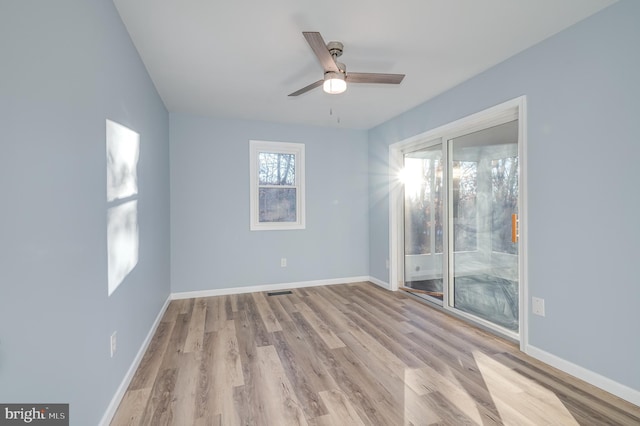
x,y
158,408
227,356
450,415
417,410
389,310
392,381
269,319
217,313
205,383
233,301
351,386
186,306
385,390
246,397
174,308
249,317
341,412
282,407
176,342
333,294
306,374
320,327
352,354
150,364
327,313
195,334
397,343
277,308
132,407
221,372
184,393
455,332
369,349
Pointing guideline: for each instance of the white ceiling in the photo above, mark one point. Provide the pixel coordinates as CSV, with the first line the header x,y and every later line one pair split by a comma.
x,y
241,58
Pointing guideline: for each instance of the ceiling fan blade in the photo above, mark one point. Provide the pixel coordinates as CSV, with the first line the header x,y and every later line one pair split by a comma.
x,y
307,88
319,47
366,77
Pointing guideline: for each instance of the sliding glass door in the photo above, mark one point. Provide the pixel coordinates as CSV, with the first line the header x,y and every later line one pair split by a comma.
x,y
483,170
460,217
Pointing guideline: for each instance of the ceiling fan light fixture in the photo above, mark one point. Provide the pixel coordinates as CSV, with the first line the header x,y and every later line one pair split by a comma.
x,y
335,73
334,83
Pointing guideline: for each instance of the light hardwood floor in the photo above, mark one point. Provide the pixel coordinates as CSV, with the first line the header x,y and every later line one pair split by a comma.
x,y
351,354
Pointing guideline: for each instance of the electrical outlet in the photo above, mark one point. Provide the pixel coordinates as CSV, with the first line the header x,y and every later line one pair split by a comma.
x,y
283,262
113,344
537,305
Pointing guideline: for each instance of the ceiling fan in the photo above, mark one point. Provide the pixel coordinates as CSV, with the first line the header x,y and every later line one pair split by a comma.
x,y
335,73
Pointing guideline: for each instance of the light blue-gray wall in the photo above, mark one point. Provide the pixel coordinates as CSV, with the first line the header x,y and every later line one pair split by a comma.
x,y
582,89
67,66
211,244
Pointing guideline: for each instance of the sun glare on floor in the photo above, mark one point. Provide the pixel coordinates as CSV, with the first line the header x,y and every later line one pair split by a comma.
x,y
511,393
423,381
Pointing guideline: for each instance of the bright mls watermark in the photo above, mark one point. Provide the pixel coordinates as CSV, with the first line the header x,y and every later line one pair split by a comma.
x,y
34,414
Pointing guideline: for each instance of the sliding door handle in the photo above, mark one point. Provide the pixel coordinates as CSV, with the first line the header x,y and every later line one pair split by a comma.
x,y
514,228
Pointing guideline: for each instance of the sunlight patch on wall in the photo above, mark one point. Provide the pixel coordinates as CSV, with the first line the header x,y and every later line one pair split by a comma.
x,y
123,151
122,242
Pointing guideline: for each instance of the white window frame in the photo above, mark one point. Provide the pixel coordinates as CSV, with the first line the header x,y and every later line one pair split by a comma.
x,y
256,147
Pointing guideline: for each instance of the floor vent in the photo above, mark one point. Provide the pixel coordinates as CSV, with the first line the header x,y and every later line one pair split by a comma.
x,y
279,293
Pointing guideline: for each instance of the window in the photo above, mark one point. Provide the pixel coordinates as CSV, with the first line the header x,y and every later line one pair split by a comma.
x,y
423,202
465,206
277,185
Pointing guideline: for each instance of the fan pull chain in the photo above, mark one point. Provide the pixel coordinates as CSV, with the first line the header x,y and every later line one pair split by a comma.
x,y
337,117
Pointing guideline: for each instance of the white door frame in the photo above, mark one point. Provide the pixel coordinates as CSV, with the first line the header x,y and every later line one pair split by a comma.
x,y
499,114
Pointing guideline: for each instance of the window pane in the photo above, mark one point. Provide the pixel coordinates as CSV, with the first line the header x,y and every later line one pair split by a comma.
x,y
465,186
423,203
276,169
504,185
277,205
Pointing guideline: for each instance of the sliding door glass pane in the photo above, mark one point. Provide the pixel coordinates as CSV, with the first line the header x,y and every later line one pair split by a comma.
x,y
423,221
484,200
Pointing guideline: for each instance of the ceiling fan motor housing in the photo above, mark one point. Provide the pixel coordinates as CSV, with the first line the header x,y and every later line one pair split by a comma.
x,y
335,48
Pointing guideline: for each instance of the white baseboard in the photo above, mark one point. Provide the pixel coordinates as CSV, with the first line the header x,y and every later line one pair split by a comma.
x,y
117,398
267,287
380,283
604,383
